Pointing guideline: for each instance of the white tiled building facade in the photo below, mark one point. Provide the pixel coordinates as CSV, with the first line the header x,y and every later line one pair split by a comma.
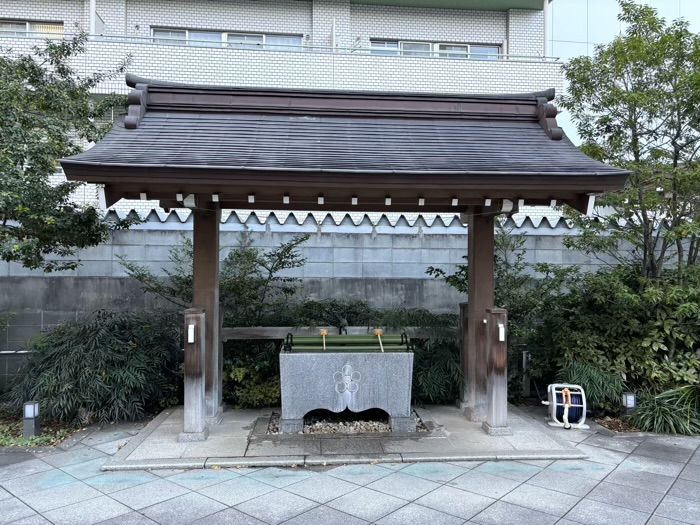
x,y
335,45
335,37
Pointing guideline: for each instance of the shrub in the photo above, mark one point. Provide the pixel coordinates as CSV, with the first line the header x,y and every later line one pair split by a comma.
x,y
251,374
334,312
254,291
643,331
675,411
108,366
437,372
603,388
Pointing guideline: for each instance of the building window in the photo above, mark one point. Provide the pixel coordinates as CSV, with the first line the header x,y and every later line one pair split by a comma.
x,y
194,37
28,28
170,36
416,49
282,42
453,51
384,47
204,38
426,49
240,41
484,52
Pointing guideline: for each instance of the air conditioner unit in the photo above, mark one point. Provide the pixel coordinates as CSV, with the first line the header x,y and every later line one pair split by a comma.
x,y
567,406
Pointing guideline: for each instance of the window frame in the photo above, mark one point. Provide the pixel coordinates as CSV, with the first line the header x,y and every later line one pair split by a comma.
x,y
224,41
283,47
451,54
169,41
434,51
204,43
383,50
244,45
27,32
487,56
415,53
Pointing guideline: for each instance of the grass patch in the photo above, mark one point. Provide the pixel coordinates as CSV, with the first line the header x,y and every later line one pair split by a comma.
x,y
52,433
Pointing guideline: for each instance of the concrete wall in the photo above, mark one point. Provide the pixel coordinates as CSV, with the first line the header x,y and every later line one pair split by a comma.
x,y
379,260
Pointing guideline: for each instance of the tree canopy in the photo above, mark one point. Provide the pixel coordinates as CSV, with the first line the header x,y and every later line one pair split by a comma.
x,y
636,104
47,112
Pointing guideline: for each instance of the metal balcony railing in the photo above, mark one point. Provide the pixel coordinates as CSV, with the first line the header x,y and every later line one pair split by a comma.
x,y
304,48
305,67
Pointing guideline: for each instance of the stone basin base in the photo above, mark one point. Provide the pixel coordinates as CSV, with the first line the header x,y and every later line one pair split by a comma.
x,y
336,381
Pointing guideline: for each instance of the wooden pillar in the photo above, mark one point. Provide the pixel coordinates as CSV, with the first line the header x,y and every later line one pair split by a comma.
x,y
496,422
206,297
481,282
195,428
463,322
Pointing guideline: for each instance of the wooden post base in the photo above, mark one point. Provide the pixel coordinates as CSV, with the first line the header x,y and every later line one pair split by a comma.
x,y
194,424
496,423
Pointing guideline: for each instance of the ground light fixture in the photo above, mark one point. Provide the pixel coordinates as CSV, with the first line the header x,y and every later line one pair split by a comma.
x,y
629,401
31,419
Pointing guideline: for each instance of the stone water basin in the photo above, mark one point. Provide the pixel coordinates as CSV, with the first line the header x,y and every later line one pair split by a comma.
x,y
351,379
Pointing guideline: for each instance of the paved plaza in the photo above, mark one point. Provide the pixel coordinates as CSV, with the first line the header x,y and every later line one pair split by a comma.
x,y
241,438
625,481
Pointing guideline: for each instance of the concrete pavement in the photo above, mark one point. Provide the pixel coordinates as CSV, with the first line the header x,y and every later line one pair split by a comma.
x,y
626,481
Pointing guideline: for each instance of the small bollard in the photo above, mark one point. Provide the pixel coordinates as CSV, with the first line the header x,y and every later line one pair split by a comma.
x,y
31,419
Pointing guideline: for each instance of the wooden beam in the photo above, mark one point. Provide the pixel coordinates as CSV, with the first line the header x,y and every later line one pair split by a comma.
x,y
206,297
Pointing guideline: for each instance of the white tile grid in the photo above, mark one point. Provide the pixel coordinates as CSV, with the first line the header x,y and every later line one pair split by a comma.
x,y
266,68
324,13
424,24
113,14
272,16
525,32
354,23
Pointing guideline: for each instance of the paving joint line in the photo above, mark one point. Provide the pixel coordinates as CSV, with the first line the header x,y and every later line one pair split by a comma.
x,y
672,485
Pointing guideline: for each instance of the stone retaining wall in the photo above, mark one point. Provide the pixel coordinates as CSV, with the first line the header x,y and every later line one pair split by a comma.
x,y
382,261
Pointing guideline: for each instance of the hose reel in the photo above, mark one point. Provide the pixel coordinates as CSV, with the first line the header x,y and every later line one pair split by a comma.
x,y
567,406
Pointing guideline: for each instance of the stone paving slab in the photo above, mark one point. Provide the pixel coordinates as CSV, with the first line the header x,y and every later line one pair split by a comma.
x,y
239,440
417,514
324,516
625,481
502,513
87,512
183,510
455,502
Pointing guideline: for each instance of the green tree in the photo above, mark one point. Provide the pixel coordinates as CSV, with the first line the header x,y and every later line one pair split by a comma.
x,y
636,104
515,288
47,112
254,291
253,287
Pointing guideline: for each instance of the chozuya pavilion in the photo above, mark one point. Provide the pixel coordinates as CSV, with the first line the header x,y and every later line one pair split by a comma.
x,y
209,147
